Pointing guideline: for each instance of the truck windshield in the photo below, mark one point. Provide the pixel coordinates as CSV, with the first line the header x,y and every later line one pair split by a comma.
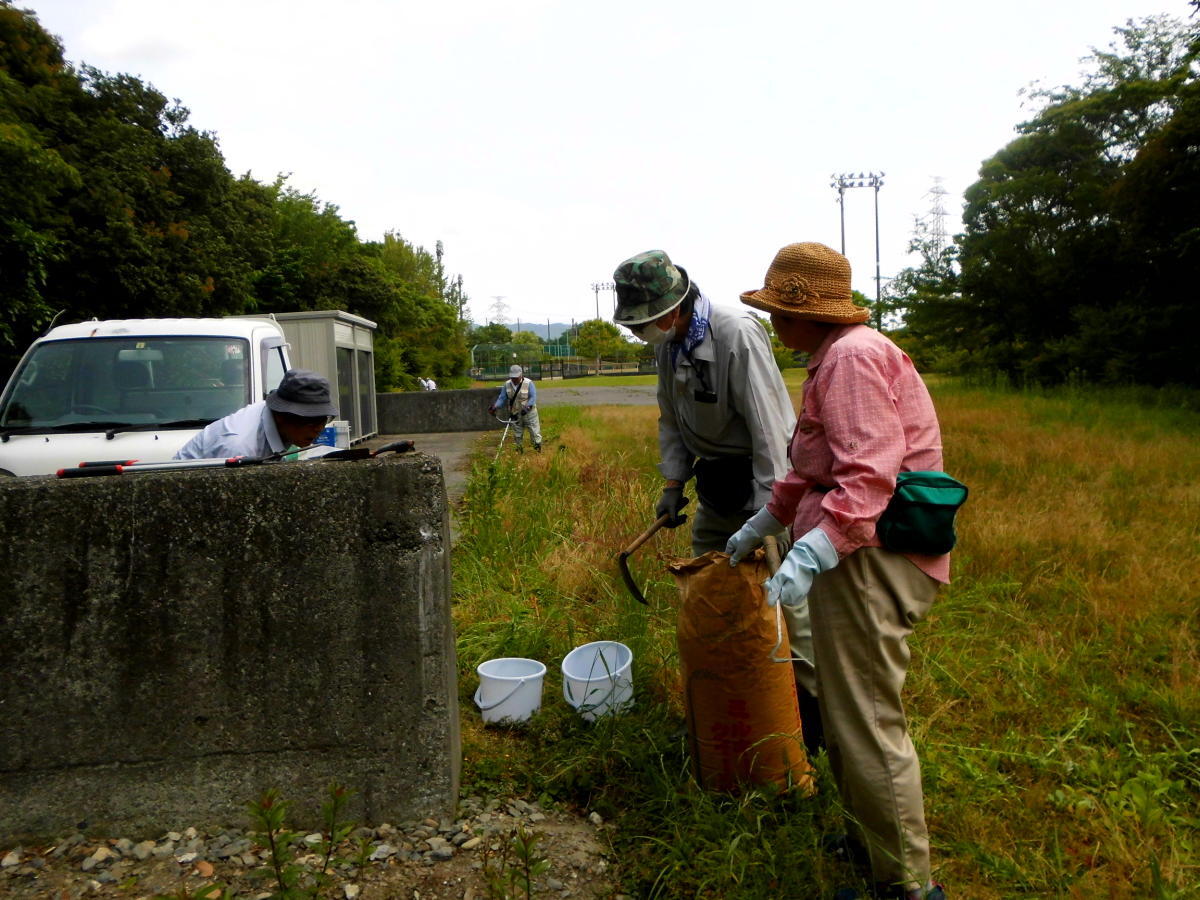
x,y
140,381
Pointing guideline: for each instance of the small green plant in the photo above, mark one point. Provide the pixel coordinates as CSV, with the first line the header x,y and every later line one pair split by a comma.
x,y
268,814
510,872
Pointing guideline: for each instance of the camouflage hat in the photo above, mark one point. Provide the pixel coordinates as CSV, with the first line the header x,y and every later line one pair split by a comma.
x,y
649,285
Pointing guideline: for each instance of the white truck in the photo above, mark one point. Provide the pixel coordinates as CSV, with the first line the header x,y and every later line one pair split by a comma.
x,y
131,388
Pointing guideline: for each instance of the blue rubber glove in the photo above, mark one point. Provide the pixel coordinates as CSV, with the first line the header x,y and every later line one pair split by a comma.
x,y
809,556
751,535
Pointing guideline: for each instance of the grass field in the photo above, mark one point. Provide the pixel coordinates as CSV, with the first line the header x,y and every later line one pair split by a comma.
x,y
1054,694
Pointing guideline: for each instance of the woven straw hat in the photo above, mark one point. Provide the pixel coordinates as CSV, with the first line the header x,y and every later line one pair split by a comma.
x,y
809,281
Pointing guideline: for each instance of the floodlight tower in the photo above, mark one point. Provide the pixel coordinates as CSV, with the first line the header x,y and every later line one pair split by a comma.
x,y
863,179
599,286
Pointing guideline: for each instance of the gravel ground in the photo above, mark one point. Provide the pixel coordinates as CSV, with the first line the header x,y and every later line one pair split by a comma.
x,y
417,860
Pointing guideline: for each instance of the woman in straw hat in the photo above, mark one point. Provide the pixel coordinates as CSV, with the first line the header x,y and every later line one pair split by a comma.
x,y
866,416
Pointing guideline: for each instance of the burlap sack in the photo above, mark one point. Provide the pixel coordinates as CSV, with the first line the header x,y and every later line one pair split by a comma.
x,y
742,714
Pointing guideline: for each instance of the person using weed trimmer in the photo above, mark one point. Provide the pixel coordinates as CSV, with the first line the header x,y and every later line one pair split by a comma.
x,y
866,423
724,417
518,403
293,415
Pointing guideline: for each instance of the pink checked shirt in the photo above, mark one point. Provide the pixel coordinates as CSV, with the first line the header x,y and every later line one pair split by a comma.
x,y
866,417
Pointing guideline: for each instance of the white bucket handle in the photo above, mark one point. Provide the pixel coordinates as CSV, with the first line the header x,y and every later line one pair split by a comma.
x,y
520,684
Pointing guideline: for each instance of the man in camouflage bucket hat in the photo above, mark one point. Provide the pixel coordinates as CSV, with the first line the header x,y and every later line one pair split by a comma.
x,y
648,286
725,417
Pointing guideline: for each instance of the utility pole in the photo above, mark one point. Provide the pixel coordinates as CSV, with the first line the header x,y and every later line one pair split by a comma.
x,y
863,179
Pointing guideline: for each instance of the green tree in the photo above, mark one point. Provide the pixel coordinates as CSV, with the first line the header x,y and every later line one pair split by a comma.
x,y
424,323
928,301
526,337
598,339
112,206
492,333
34,85
1050,272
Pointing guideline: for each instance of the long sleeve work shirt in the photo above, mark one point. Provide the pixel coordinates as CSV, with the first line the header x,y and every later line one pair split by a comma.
x,y
866,417
726,399
249,431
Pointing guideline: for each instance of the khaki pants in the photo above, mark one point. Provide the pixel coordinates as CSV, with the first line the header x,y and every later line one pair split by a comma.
x,y
862,614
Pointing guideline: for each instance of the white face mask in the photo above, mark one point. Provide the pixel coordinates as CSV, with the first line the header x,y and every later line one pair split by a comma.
x,y
652,334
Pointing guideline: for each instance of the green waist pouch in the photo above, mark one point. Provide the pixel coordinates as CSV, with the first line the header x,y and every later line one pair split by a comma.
x,y
920,516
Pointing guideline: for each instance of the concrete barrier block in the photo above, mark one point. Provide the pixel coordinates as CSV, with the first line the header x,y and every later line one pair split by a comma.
x,y
424,412
175,643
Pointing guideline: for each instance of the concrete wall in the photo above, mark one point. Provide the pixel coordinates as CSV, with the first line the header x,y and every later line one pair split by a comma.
x,y
175,643
423,412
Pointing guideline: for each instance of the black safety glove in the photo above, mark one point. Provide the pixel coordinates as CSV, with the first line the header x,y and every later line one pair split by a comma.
x,y
670,503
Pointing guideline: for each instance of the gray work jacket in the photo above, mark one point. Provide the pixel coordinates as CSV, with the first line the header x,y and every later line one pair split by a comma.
x,y
751,414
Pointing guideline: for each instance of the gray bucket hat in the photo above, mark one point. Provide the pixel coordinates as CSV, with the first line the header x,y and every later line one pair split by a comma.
x,y
515,372
302,393
649,285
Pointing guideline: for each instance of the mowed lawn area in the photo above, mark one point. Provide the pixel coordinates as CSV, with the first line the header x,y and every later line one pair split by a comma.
x,y
1054,692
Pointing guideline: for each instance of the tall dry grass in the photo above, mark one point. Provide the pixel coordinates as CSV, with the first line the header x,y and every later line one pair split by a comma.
x,y
1054,694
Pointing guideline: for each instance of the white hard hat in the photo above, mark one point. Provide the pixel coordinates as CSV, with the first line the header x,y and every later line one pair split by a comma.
x,y
515,372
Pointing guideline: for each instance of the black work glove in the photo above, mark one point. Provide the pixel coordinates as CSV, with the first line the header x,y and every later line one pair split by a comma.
x,y
670,503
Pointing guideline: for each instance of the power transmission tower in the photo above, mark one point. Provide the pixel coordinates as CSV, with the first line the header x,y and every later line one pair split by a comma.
x,y
935,220
499,309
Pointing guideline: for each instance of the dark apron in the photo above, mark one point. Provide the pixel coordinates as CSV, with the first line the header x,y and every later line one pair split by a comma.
x,y
725,485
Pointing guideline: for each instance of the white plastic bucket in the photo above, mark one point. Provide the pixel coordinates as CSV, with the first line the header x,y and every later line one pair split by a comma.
x,y
509,688
341,431
598,678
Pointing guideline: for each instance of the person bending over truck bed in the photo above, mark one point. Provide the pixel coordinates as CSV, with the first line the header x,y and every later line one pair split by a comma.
x,y
292,415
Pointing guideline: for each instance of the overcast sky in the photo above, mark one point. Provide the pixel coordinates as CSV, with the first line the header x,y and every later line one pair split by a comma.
x,y
543,141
